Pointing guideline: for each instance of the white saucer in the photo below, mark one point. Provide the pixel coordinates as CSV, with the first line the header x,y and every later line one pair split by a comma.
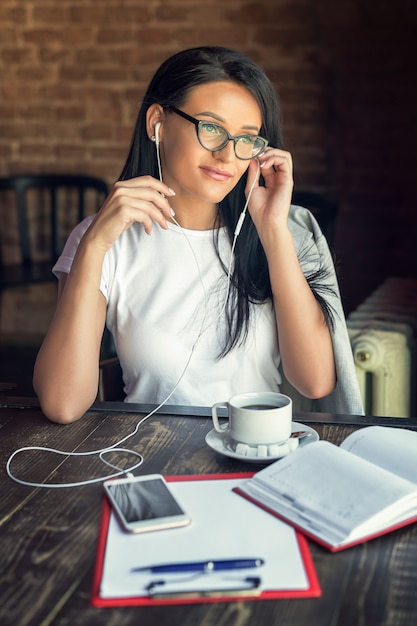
x,y
222,443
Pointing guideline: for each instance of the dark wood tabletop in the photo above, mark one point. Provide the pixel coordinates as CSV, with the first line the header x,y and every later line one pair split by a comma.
x,y
48,537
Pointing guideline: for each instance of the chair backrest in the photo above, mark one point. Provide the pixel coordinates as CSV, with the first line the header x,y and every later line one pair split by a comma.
x,y
51,189
324,209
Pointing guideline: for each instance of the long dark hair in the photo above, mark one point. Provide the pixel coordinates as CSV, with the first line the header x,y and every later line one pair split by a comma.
x,y
171,85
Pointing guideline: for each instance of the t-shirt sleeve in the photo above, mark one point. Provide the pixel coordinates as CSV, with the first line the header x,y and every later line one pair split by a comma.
x,y
64,262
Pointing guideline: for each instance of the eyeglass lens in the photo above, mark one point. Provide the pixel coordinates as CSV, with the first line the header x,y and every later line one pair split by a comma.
x,y
214,137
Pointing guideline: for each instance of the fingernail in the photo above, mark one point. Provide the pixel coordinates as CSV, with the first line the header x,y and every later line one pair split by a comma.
x,y
172,191
172,211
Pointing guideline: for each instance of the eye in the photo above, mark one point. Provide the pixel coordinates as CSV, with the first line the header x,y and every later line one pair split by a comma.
x,y
249,140
214,130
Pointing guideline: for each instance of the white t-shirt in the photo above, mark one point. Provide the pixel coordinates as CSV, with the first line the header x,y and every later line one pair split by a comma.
x,y
165,295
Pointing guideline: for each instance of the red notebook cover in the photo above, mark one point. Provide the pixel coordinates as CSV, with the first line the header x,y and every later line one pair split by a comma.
x,y
313,589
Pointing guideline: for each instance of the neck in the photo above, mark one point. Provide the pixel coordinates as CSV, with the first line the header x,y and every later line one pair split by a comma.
x,y
200,218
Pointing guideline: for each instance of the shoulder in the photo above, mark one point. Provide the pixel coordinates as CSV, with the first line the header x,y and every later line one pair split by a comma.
x,y
77,233
303,224
310,243
63,264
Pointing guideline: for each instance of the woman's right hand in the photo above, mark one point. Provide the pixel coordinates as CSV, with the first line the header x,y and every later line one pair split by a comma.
x,y
66,370
142,199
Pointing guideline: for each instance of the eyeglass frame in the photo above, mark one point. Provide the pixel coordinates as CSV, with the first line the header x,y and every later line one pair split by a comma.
x,y
197,123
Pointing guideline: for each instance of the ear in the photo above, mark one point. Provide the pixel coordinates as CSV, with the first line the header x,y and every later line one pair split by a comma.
x,y
154,116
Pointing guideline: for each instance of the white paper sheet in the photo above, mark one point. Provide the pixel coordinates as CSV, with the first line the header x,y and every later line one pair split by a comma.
x,y
224,526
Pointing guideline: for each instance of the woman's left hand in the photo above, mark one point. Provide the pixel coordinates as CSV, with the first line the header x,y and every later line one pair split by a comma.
x,y
269,206
304,338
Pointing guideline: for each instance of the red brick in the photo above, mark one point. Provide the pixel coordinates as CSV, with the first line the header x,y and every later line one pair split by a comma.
x,y
108,114
110,75
97,133
54,54
78,35
111,14
7,112
6,151
36,112
40,35
175,14
94,55
8,36
220,36
58,92
71,152
11,14
35,73
49,14
112,154
13,56
105,94
14,91
116,35
71,113
37,149
73,73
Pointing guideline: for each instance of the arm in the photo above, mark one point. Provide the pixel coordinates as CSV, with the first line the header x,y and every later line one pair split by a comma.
x,y
304,338
67,367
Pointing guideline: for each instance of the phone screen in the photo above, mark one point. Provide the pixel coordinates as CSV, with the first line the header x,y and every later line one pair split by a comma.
x,y
145,503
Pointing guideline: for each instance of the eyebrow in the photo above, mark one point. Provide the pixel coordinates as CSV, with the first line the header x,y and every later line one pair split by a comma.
x,y
220,119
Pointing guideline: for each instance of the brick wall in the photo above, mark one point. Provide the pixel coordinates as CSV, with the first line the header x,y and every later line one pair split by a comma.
x,y
73,72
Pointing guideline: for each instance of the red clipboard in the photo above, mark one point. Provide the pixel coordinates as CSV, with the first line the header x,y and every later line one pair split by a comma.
x,y
312,591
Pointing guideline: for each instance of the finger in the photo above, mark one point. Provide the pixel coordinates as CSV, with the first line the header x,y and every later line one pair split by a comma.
x,y
146,181
135,196
254,174
274,158
145,212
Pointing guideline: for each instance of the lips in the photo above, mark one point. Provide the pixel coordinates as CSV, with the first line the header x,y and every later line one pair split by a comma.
x,y
216,174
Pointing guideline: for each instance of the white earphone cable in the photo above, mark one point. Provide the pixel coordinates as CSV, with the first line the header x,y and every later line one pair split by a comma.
x,y
116,446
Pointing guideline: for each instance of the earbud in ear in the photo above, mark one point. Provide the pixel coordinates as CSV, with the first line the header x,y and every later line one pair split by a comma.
x,y
157,127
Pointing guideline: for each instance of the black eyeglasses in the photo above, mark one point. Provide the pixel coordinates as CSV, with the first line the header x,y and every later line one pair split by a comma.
x,y
214,137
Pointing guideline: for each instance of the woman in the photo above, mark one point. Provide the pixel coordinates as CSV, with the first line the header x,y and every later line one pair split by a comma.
x,y
199,313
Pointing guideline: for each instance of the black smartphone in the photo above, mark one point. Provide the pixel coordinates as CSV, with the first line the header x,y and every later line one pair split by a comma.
x,y
145,503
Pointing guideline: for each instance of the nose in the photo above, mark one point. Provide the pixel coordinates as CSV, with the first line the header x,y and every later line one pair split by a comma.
x,y
227,153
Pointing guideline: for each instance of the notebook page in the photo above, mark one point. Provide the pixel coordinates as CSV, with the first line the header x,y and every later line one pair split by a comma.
x,y
330,485
389,447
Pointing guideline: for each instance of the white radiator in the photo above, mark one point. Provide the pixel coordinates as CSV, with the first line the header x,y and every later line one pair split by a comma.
x,y
383,335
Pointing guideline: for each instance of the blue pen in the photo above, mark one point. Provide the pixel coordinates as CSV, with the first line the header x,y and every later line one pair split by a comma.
x,y
202,566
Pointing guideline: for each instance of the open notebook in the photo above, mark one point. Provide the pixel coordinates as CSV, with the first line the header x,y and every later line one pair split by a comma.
x,y
223,526
341,496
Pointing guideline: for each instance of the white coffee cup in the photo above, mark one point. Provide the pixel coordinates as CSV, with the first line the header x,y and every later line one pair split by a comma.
x,y
260,417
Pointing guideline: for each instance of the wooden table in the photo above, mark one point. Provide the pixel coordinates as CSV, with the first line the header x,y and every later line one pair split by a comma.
x,y
48,536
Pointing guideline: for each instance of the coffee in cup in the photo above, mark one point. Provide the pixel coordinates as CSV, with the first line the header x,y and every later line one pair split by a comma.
x,y
256,418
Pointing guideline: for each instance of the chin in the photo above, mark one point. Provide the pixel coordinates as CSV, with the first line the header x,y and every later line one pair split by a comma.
x,y
215,193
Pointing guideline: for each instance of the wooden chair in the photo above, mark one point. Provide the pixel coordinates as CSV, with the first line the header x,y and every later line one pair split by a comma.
x,y
37,213
110,387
